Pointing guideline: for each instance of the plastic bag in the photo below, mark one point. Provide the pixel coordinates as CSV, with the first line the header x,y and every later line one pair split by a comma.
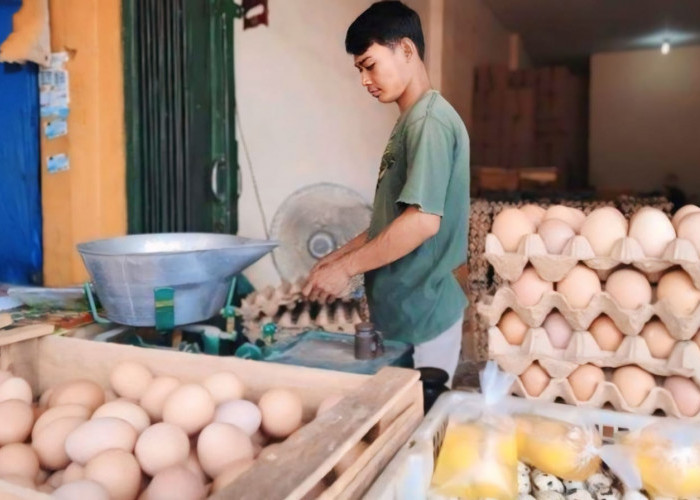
x,y
479,455
566,450
663,458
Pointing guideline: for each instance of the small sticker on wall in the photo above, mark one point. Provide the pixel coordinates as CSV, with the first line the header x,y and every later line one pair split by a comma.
x,y
56,128
54,97
57,163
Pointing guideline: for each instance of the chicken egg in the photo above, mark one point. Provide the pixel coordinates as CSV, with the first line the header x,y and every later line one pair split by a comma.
x,y
241,413
190,407
117,471
555,234
629,288
16,388
689,229
676,289
100,434
558,330
57,412
513,328
74,472
17,418
572,216
282,411
579,286
634,384
127,411
176,482
682,212
685,393
153,399
5,375
50,442
130,379
533,212
603,228
535,380
81,392
81,489
192,463
653,231
224,386
529,287
161,446
19,459
220,444
658,339
230,474
510,226
584,380
22,481
606,334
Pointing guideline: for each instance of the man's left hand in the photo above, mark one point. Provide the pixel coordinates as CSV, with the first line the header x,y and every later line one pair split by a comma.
x,y
327,282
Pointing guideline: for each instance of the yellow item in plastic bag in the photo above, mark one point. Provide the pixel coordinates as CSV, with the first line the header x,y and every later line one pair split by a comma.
x,y
478,460
565,450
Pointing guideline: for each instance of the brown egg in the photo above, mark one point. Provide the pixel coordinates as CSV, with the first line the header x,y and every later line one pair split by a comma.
x,y
555,234
16,388
658,339
19,459
16,419
689,229
5,375
192,463
606,334
676,289
572,216
41,476
81,392
224,386
529,287
328,403
50,442
634,384
95,436
349,459
56,479
129,412
130,379
603,228
682,212
220,444
579,286
154,398
190,407
74,472
230,474
653,230
535,380
22,481
241,413
685,393
117,471
44,399
629,288
176,482
513,328
83,489
282,411
161,446
584,380
510,226
53,414
533,212
558,330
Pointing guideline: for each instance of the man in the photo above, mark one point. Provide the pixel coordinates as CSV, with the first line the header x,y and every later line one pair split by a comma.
x,y
418,232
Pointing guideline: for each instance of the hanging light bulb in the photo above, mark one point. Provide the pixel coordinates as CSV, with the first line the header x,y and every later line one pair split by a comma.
x,y
665,47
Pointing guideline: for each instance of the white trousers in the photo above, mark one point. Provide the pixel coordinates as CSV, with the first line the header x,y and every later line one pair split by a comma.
x,y
442,351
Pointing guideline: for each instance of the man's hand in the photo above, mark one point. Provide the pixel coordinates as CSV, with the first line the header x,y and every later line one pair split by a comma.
x,y
327,282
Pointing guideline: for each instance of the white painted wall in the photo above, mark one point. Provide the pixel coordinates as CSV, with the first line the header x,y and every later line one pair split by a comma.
x,y
645,119
305,117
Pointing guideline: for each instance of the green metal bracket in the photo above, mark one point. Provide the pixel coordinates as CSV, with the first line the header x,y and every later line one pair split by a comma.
x,y
165,308
93,309
269,331
230,312
249,351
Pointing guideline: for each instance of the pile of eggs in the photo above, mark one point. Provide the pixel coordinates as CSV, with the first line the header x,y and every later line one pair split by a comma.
x,y
603,227
534,484
148,437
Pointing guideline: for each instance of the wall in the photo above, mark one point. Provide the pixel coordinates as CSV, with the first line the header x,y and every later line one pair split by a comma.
x,y
644,119
89,200
305,116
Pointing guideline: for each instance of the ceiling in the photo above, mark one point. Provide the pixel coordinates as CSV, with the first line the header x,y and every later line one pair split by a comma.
x,y
569,31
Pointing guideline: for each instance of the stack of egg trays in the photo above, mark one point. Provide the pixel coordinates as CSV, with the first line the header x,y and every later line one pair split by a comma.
x,y
684,360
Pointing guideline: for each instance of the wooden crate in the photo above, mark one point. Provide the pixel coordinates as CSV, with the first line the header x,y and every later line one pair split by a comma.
x,y
383,409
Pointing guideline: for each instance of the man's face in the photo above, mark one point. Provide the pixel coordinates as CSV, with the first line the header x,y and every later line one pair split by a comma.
x,y
384,71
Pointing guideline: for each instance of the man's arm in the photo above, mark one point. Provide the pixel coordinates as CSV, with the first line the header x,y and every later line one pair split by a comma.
x,y
350,246
406,233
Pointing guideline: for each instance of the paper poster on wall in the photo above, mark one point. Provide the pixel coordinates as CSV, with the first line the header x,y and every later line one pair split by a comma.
x,y
57,163
54,96
56,128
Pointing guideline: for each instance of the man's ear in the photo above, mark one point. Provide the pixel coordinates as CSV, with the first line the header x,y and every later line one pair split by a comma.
x,y
408,48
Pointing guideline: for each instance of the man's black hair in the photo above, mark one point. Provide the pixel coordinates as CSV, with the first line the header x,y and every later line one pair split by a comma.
x,y
385,23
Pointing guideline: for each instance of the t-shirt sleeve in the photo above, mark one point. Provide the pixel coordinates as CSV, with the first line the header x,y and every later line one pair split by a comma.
x,y
429,157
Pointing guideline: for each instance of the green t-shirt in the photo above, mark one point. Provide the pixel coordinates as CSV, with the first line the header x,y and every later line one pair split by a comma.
x,y
426,164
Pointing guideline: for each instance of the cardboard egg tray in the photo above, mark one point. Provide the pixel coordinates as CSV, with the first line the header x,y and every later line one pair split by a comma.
x,y
626,251
684,360
630,322
607,393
